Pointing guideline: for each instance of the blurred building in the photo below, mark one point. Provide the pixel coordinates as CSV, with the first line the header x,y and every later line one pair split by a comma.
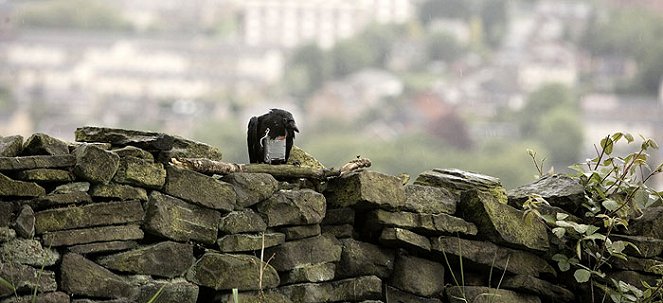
x,y
289,23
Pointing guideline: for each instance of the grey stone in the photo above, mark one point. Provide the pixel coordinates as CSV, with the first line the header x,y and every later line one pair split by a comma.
x,y
394,295
43,144
418,276
171,291
52,200
457,181
132,151
290,207
366,189
25,279
538,287
491,255
398,237
289,255
199,189
164,259
90,235
300,232
118,191
422,223
429,199
174,219
48,297
96,214
339,216
80,276
364,259
502,223
559,190
479,294
8,210
652,266
120,300
648,247
351,290
319,272
243,221
339,231
249,242
25,223
13,188
103,247
252,188
45,175
225,272
139,172
95,164
168,145
33,162
73,187
11,146
29,252
650,224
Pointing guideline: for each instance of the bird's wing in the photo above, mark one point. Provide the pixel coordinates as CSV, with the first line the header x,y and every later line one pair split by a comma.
x,y
288,145
252,140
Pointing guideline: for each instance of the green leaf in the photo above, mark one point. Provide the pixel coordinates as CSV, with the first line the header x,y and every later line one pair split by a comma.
x,y
607,144
562,216
610,204
582,275
629,137
559,232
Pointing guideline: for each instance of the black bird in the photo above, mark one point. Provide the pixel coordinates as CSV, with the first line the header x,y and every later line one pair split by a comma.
x,y
270,137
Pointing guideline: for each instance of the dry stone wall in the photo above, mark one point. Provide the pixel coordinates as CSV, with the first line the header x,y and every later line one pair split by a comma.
x,y
107,219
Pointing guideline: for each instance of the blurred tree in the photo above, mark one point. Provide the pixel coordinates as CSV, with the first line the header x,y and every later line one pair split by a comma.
x,y
309,68
539,103
440,9
560,132
442,46
84,14
494,20
352,55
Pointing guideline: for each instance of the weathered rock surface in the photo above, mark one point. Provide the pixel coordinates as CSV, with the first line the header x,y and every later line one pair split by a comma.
x,y
90,235
172,291
225,272
650,224
177,220
429,199
132,151
293,207
25,222
364,259
309,273
366,189
398,237
28,252
648,247
25,279
339,216
96,214
95,164
80,276
11,146
45,175
102,247
477,294
48,297
248,242
140,172
418,276
395,295
300,232
353,289
61,199
502,223
6,234
243,221
251,188
289,255
118,191
199,189
489,254
422,223
457,181
13,188
164,259
33,162
43,144
559,190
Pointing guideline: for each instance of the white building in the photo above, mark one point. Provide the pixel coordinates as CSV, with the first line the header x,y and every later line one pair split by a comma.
x,y
289,23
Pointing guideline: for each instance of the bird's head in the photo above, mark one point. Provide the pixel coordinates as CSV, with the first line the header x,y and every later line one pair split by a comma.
x,y
288,119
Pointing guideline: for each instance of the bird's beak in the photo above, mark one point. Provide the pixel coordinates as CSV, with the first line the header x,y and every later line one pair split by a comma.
x,y
293,126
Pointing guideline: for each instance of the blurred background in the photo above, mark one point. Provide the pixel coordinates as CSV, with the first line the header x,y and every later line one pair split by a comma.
x,y
410,84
